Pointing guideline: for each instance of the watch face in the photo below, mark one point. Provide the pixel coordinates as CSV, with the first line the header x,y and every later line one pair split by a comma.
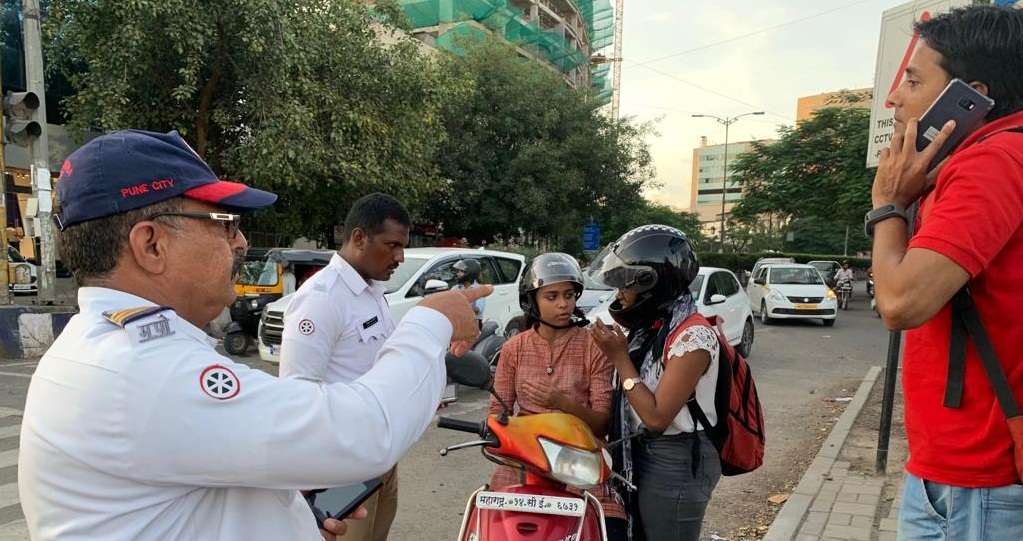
x,y
629,384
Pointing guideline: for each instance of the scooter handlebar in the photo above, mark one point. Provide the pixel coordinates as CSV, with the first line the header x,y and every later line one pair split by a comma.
x,y
461,426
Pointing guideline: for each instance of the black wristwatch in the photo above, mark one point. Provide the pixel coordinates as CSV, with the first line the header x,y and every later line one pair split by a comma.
x,y
882,213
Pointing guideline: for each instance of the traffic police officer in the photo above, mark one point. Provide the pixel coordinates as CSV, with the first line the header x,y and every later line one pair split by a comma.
x,y
136,428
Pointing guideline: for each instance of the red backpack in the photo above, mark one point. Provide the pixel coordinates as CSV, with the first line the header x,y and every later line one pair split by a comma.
x,y
739,434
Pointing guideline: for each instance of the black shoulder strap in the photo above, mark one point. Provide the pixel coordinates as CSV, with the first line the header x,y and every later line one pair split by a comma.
x,y
1014,129
966,321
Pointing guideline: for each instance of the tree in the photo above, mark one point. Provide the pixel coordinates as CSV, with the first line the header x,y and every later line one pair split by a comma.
x,y
653,213
526,153
299,97
814,172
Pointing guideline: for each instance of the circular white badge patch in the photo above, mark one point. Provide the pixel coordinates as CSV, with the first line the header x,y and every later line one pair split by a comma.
x,y
306,327
219,382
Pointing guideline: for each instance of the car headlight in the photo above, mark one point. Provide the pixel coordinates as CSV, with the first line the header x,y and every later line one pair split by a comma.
x,y
830,294
572,466
776,295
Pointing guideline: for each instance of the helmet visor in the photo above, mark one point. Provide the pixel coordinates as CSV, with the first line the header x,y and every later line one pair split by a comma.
x,y
618,274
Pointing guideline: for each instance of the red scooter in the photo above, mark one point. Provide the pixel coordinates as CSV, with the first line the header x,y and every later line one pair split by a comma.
x,y
556,450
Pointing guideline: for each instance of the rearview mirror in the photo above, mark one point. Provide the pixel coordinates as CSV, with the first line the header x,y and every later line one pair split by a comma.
x,y
717,299
435,286
470,370
761,281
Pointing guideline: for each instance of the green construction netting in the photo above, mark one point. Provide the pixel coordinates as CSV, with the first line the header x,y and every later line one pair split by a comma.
x,y
506,20
601,82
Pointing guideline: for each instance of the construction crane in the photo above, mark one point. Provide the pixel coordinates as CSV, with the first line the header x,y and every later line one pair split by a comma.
x,y
616,74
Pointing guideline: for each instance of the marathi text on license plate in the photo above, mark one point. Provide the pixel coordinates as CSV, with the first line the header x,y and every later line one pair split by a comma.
x,y
806,307
531,503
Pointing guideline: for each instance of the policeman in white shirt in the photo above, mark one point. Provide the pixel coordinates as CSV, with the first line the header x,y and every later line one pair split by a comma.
x,y
136,428
338,321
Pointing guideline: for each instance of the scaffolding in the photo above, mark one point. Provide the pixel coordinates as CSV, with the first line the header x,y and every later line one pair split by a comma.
x,y
545,34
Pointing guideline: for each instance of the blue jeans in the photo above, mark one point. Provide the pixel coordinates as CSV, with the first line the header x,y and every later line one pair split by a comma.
x,y
934,511
675,476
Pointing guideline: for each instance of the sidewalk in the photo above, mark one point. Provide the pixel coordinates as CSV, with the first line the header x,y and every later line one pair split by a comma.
x,y
841,497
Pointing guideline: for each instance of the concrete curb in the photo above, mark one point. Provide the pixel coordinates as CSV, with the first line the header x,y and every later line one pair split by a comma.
x,y
786,523
28,331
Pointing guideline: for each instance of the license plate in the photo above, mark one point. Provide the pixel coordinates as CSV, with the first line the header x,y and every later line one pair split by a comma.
x,y
806,307
22,286
531,503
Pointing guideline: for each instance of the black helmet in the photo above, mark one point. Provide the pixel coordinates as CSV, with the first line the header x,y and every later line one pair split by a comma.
x,y
657,263
547,269
470,267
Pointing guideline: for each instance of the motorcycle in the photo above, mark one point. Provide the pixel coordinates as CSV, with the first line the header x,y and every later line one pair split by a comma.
x,y
845,289
488,345
556,450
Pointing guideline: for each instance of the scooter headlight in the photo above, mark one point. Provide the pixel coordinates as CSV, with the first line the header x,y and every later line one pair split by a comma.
x,y
572,466
254,304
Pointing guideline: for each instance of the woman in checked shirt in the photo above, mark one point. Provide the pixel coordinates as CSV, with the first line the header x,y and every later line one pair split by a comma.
x,y
555,366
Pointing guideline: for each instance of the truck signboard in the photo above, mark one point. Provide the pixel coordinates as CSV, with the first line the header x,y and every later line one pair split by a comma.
x,y
898,41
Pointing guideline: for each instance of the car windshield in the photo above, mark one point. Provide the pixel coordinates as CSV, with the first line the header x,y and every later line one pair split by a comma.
x,y
403,273
696,284
823,266
590,283
14,256
804,275
259,272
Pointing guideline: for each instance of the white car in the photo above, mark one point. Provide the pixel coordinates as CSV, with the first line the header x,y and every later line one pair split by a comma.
x,y
717,293
791,291
424,270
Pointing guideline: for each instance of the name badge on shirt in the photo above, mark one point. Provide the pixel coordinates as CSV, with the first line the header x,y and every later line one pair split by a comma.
x,y
370,322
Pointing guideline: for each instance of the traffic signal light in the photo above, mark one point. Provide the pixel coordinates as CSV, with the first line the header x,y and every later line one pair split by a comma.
x,y
19,126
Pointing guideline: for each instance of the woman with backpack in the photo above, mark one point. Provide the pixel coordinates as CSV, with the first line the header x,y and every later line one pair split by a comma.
x,y
669,354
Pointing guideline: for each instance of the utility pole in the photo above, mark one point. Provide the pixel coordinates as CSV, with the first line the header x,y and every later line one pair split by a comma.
x,y
5,291
40,152
727,121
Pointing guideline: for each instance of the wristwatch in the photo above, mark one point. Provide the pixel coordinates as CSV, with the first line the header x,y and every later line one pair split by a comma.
x,y
629,383
882,213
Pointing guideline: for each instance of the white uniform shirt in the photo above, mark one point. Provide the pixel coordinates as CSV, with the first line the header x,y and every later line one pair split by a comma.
x,y
692,339
334,326
146,432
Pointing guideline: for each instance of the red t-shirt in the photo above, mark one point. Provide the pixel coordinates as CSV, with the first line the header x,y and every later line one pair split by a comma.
x,y
973,216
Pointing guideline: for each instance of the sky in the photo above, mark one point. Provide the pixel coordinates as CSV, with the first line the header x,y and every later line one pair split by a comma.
x,y
685,57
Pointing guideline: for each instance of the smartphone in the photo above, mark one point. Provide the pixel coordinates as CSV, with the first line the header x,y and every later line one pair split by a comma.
x,y
339,502
957,102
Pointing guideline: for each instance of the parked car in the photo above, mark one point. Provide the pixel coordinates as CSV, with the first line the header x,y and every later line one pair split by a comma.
x,y
22,275
827,270
717,293
791,291
425,270
769,261
594,293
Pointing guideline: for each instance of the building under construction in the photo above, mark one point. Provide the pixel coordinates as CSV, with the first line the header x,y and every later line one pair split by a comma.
x,y
561,34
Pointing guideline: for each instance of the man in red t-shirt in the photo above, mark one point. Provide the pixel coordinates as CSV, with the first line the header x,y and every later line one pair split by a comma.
x,y
961,480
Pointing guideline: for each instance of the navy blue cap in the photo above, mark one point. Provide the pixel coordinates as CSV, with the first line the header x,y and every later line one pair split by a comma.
x,y
131,169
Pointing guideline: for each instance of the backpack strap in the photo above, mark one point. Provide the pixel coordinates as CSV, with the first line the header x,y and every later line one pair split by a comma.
x,y
966,321
1014,129
692,321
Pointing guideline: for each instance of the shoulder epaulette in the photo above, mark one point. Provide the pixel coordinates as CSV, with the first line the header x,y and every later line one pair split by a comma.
x,y
126,316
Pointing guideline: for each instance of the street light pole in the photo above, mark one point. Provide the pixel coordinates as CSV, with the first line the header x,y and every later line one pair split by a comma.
x,y
727,121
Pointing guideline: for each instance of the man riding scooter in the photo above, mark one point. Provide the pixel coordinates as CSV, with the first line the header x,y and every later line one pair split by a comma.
x,y
843,284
